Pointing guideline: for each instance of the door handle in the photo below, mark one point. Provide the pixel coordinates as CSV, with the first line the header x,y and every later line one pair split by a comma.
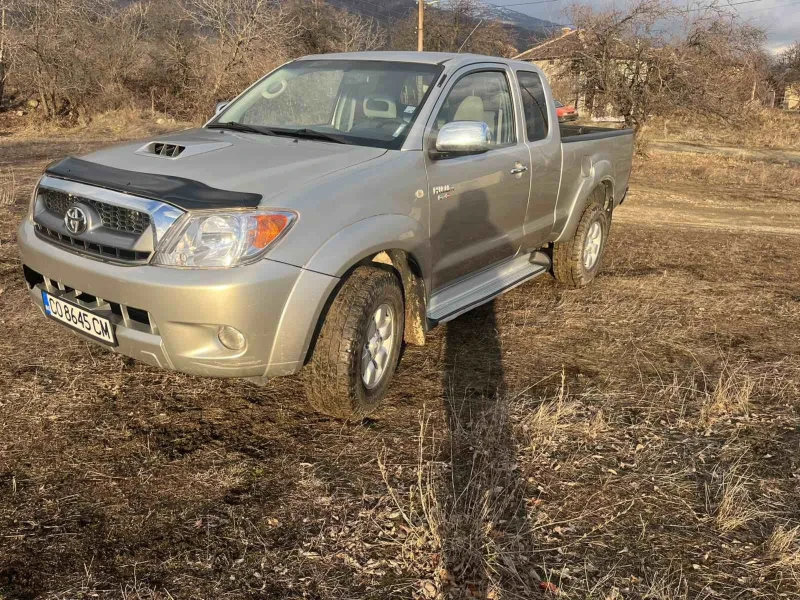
x,y
520,168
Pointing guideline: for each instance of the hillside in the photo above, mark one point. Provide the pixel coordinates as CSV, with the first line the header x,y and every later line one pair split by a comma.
x,y
525,27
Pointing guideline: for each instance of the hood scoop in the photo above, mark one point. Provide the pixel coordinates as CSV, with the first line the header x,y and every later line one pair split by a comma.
x,y
174,151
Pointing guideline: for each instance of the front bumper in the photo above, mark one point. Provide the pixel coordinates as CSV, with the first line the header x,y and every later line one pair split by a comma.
x,y
169,317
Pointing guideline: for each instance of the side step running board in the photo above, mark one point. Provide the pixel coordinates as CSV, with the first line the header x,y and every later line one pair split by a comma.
x,y
457,299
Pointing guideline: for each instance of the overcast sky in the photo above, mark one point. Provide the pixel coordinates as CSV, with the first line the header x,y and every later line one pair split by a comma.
x,y
781,18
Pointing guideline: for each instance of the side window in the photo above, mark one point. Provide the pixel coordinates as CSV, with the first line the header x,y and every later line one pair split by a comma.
x,y
535,105
482,96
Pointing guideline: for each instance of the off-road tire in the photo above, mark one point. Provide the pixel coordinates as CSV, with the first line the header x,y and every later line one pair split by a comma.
x,y
568,265
333,381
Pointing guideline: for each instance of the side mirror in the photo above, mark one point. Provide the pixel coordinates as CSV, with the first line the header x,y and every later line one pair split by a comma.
x,y
221,106
463,137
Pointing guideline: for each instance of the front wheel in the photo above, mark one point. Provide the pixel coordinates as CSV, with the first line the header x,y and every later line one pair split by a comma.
x,y
576,261
359,345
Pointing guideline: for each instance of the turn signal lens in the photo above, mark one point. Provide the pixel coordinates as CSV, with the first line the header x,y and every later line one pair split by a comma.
x,y
267,228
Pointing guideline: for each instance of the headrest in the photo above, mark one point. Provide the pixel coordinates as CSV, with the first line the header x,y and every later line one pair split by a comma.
x,y
380,107
470,109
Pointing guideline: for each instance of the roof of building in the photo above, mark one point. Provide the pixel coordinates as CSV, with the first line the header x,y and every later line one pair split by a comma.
x,y
571,44
567,44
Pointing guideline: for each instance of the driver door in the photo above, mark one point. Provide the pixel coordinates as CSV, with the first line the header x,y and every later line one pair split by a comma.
x,y
477,202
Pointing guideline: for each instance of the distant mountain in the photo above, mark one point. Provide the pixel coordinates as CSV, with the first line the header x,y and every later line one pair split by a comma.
x,y
517,19
525,27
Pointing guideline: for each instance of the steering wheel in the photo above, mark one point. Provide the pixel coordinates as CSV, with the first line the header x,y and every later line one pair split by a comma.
x,y
391,125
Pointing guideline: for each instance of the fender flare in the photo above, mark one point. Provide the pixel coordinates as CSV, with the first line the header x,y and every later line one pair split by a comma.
x,y
321,278
600,173
368,237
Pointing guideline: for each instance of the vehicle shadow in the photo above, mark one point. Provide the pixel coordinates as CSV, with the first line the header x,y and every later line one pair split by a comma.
x,y
483,502
482,495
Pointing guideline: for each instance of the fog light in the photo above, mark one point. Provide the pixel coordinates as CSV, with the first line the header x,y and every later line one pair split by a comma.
x,y
231,338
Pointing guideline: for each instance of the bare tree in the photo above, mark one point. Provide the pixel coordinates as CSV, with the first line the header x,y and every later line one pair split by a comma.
x,y
55,40
455,26
628,62
358,33
179,56
790,59
121,54
326,28
234,33
4,50
785,71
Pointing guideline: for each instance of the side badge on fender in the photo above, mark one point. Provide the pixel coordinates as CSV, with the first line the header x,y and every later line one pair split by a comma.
x,y
443,191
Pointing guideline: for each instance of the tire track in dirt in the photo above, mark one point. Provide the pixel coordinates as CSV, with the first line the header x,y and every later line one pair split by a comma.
x,y
700,205
659,206
771,155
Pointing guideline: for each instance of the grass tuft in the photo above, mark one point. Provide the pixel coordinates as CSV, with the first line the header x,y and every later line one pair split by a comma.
x,y
731,396
735,507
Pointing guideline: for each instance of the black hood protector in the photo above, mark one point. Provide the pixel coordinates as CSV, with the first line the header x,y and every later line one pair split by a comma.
x,y
178,191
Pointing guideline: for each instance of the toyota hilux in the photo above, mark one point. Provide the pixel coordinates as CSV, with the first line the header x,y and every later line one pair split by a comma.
x,y
340,207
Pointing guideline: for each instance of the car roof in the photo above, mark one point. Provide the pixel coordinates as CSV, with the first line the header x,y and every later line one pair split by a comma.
x,y
450,59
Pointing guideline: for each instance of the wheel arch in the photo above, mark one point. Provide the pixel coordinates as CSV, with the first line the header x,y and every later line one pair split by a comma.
x,y
412,282
407,269
390,241
603,182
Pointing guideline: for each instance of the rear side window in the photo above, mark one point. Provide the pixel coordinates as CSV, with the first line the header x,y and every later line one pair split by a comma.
x,y
535,105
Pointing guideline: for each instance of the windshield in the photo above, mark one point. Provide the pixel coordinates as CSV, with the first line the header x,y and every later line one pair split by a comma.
x,y
559,105
368,103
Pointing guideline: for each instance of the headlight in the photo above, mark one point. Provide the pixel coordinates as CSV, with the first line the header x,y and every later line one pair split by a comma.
x,y
213,239
32,203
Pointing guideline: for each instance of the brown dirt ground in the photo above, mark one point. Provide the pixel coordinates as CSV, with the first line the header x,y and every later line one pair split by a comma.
x,y
636,439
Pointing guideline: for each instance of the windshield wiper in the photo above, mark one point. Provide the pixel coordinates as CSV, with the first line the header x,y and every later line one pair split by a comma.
x,y
234,126
312,134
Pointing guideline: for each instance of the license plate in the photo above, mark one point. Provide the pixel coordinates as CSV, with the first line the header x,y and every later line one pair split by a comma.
x,y
79,318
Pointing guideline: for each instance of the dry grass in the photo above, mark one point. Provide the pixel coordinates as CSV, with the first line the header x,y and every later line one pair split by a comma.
x,y
667,586
783,550
8,187
731,396
115,124
718,170
768,128
735,508
637,439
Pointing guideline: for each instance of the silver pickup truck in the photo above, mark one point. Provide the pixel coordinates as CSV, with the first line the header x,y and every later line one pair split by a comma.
x,y
341,206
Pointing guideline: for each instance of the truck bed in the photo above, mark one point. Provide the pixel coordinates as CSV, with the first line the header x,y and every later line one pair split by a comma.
x,y
586,149
583,133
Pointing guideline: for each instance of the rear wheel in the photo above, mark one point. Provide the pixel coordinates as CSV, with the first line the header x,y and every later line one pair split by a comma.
x,y
577,261
359,345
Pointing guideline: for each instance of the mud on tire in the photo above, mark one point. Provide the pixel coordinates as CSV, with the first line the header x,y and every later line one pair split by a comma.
x,y
333,378
570,264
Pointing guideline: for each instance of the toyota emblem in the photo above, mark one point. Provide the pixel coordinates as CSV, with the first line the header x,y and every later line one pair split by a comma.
x,y
75,220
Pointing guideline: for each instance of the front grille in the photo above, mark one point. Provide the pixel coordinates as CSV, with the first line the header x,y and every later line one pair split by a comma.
x,y
90,248
139,315
56,202
89,301
114,217
121,219
32,277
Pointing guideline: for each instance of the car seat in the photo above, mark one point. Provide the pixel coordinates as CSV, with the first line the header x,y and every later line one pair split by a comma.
x,y
470,109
